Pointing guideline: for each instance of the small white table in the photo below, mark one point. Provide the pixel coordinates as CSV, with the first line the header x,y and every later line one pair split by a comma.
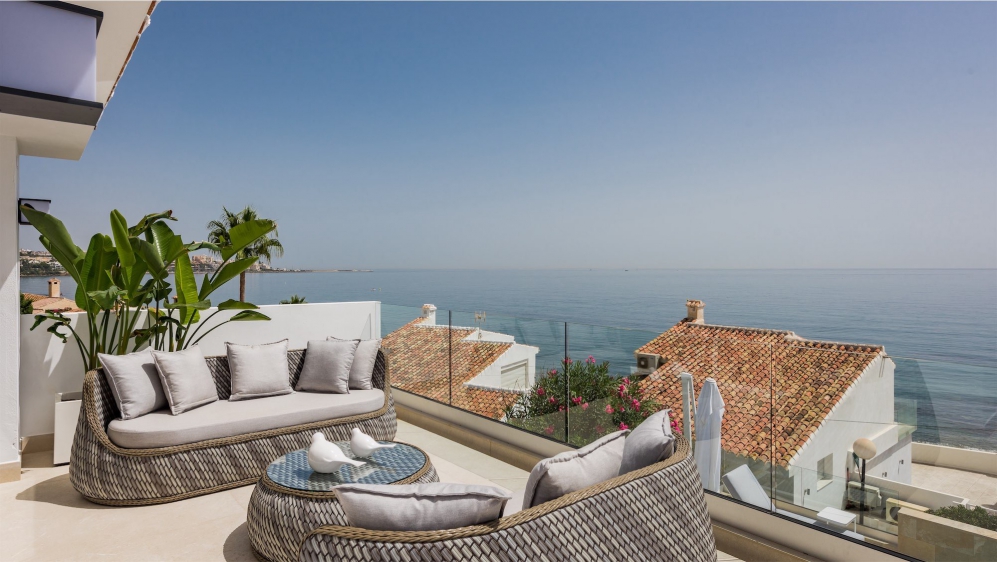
x,y
837,518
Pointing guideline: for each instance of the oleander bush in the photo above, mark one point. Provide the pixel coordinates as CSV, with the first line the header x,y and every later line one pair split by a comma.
x,y
596,402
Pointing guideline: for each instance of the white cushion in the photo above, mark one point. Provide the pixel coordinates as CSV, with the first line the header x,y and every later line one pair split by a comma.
x,y
573,470
258,370
327,366
228,419
743,486
186,379
420,507
650,442
134,383
362,369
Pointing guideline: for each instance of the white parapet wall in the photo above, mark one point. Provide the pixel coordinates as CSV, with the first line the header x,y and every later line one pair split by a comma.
x,y
48,366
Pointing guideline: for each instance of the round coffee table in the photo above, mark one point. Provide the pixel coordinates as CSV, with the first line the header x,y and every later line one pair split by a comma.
x,y
291,499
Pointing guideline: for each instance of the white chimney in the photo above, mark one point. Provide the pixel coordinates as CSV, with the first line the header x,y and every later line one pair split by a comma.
x,y
53,288
429,313
694,312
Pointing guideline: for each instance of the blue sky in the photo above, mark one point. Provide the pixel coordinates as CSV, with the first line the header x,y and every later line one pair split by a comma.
x,y
455,135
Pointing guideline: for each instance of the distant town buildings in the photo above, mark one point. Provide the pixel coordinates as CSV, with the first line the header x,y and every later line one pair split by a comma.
x,y
39,263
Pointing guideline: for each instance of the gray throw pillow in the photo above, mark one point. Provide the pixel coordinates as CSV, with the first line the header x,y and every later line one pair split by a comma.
x,y
327,366
651,442
258,370
134,383
571,471
420,507
362,370
186,379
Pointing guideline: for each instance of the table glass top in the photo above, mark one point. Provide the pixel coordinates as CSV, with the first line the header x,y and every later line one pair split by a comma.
x,y
385,466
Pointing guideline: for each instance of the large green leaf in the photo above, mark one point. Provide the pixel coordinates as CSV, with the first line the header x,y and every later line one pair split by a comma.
x,y
72,267
119,229
248,315
244,234
56,240
229,271
150,253
99,258
233,304
186,286
148,220
105,299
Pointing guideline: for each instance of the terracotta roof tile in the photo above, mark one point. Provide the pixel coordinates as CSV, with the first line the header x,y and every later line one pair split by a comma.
x,y
420,363
766,377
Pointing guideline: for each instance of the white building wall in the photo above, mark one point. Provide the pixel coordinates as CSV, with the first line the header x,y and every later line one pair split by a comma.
x,y
48,366
10,290
866,410
491,377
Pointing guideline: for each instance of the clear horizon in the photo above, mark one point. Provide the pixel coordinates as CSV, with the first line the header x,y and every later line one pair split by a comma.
x,y
558,136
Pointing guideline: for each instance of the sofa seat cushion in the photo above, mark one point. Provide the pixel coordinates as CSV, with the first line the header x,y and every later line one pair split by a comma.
x,y
228,419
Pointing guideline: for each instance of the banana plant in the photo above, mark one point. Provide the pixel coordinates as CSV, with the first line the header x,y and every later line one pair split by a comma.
x,y
121,276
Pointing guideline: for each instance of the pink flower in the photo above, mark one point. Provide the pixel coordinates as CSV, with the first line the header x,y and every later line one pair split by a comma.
x,y
552,372
567,360
626,381
590,359
541,391
549,430
585,406
635,403
609,408
576,400
624,426
560,408
622,408
552,400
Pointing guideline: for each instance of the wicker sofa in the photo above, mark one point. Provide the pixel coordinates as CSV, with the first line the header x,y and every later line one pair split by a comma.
x,y
655,513
106,473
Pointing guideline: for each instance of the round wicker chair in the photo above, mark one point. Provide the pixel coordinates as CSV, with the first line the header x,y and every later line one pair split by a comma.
x,y
107,474
655,513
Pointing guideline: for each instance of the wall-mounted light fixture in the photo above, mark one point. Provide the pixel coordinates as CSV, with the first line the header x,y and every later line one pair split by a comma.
x,y
41,205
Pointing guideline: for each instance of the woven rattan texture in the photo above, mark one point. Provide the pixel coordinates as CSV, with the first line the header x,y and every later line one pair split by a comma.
x,y
278,520
657,513
107,474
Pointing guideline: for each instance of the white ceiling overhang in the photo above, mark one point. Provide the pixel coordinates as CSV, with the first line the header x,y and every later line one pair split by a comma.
x,y
58,123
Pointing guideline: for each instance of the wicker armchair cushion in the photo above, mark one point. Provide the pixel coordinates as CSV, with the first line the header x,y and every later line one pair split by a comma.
x,y
327,366
134,383
362,370
186,379
652,441
573,470
228,419
258,370
420,507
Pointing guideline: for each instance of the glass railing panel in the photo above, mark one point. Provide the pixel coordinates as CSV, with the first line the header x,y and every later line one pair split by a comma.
x,y
511,370
949,404
418,341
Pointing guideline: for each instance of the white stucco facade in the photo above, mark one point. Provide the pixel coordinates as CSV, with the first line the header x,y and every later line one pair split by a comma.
x,y
10,288
866,410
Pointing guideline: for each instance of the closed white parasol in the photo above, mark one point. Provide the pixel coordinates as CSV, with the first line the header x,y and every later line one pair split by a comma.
x,y
709,417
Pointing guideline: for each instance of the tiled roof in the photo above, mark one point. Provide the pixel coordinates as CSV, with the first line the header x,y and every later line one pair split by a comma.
x,y
40,303
420,363
766,377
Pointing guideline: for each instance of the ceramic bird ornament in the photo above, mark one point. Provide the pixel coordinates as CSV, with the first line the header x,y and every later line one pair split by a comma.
x,y
364,445
326,457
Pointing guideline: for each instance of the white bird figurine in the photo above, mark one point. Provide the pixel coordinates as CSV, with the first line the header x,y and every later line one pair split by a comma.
x,y
326,457
364,445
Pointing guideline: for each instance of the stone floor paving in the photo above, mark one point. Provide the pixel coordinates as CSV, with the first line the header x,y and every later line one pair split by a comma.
x,y
979,489
43,519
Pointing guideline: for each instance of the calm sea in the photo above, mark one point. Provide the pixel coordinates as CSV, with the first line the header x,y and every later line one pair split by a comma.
x,y
939,325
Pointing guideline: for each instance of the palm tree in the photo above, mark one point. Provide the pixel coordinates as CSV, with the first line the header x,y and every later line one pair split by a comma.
x,y
295,299
266,247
